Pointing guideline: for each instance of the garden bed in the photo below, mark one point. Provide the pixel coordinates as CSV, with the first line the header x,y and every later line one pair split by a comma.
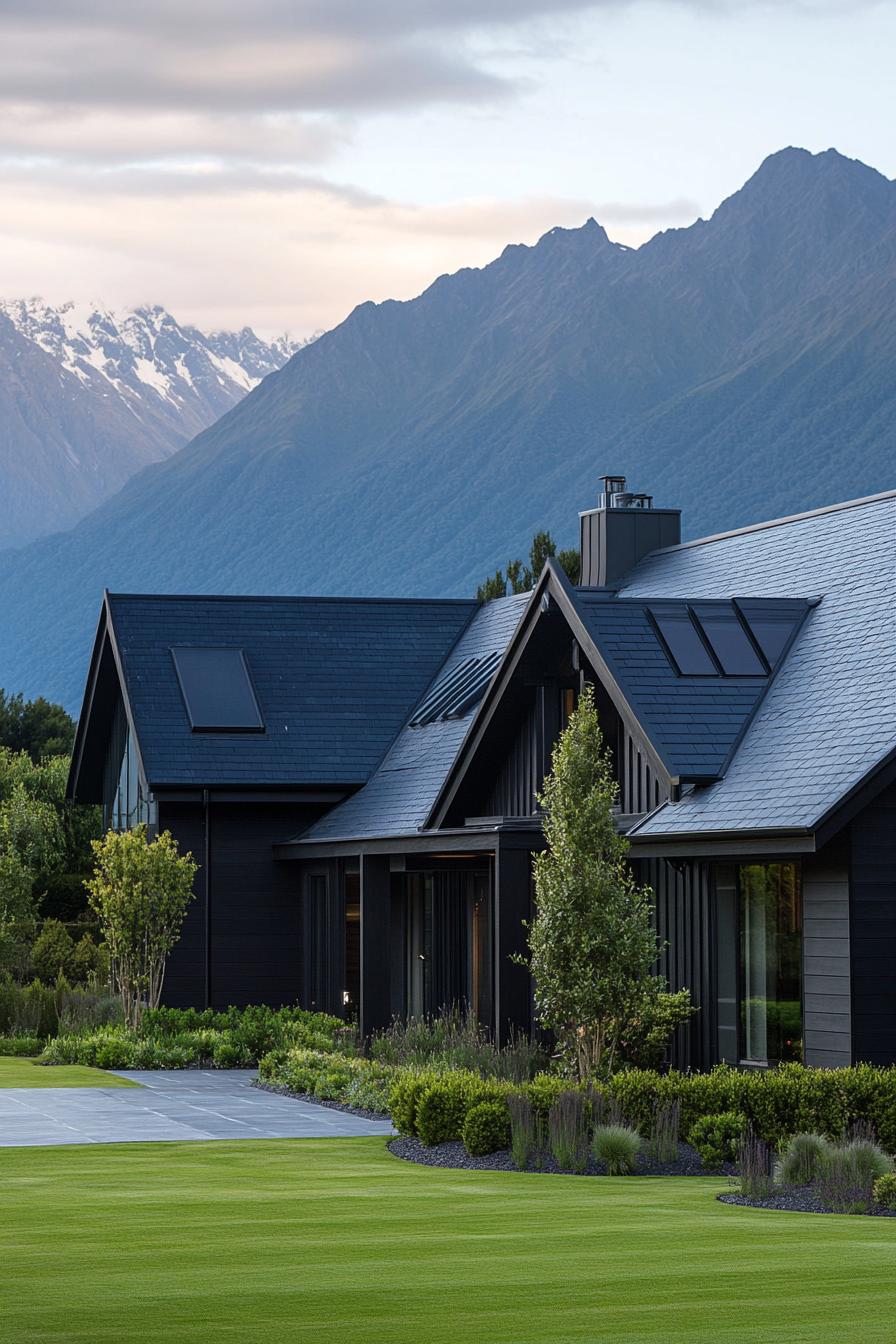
x,y
799,1199
363,1112
454,1154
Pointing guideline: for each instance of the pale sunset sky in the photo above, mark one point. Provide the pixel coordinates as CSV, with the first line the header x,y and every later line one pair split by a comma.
x,y
274,163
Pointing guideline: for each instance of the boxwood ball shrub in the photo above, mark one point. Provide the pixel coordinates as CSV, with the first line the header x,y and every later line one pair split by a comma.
x,y
486,1128
716,1138
802,1159
617,1148
885,1190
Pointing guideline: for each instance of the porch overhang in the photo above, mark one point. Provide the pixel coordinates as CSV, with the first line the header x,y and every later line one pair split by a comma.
x,y
495,834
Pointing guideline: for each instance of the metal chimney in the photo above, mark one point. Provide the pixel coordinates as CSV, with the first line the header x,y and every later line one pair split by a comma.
x,y
621,531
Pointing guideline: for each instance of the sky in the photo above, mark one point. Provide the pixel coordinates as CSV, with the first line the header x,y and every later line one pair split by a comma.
x,y
277,162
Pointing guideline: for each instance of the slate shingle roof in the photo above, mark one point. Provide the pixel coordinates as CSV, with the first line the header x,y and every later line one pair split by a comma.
x,y
399,797
829,716
693,722
335,680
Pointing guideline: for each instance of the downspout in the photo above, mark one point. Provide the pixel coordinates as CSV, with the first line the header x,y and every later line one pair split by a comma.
x,y
208,901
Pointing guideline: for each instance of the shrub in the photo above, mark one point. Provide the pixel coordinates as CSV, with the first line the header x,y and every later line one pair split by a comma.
x,y
885,1190
369,1089
523,1129
846,1178
227,1054
442,1109
23,1047
716,1138
53,950
404,1098
568,1131
802,1159
646,1040
617,1148
486,1128
543,1091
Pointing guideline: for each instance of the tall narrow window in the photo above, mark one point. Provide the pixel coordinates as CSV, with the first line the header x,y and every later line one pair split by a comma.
x,y
770,962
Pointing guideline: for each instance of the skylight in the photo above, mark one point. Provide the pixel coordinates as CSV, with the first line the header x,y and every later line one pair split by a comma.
x,y
217,690
457,691
684,645
729,641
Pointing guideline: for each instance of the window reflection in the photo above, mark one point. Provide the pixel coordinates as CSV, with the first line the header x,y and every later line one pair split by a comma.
x,y
770,962
125,801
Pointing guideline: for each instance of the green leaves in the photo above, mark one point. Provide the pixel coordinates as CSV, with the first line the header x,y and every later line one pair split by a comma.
x,y
140,890
592,943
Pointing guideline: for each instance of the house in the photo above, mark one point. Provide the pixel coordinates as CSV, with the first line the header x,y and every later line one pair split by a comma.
x,y
358,779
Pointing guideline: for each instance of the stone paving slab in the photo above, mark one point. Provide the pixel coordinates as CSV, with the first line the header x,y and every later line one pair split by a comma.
x,y
169,1106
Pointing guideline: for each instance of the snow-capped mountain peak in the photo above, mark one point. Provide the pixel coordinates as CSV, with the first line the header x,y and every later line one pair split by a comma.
x,y
94,394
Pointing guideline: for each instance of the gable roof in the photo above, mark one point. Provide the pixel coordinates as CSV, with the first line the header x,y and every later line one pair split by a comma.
x,y
400,795
828,720
335,679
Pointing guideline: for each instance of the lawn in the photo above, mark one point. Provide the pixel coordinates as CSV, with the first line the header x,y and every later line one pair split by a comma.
x,y
25,1073
334,1239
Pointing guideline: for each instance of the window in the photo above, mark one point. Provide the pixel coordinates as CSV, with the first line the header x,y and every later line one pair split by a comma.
x,y
126,802
689,654
770,902
771,624
217,690
729,640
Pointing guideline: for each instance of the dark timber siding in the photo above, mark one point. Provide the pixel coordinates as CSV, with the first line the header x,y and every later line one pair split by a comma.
x,y
684,921
872,917
827,1035
522,773
255,906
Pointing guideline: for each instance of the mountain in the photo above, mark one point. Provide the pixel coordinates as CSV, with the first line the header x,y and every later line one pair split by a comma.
x,y
740,368
88,397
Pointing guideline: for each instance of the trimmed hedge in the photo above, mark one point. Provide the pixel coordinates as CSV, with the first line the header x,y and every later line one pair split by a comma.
x,y
777,1103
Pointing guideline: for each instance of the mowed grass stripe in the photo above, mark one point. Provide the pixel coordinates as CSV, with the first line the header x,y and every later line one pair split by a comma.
x,y
336,1240
25,1073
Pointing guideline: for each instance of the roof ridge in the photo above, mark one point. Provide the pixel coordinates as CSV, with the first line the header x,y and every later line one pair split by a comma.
x,y
296,597
772,522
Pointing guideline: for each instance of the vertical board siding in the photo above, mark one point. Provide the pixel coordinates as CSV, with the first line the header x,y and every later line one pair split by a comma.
x,y
685,927
256,946
872,919
522,772
827,1024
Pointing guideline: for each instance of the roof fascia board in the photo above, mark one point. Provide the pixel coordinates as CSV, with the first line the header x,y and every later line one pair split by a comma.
x,y
566,601
87,702
863,792
748,844
455,840
122,682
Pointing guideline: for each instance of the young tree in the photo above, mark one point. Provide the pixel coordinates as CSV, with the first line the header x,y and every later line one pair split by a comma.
x,y
592,944
18,916
140,890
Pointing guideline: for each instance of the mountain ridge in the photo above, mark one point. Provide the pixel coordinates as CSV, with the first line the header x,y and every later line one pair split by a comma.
x,y
88,396
739,369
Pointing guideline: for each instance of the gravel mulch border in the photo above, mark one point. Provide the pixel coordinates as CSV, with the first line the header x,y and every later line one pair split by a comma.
x,y
455,1156
330,1105
797,1199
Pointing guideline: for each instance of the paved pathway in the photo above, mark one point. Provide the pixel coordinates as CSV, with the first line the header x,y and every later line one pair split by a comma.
x,y
170,1105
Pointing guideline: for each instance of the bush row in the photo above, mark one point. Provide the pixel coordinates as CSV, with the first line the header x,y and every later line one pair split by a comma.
x,y
777,1103
175,1039
24,1047
350,1079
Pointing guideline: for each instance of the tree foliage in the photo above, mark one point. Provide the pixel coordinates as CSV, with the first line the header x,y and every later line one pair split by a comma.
x,y
44,839
140,890
520,578
592,944
36,726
